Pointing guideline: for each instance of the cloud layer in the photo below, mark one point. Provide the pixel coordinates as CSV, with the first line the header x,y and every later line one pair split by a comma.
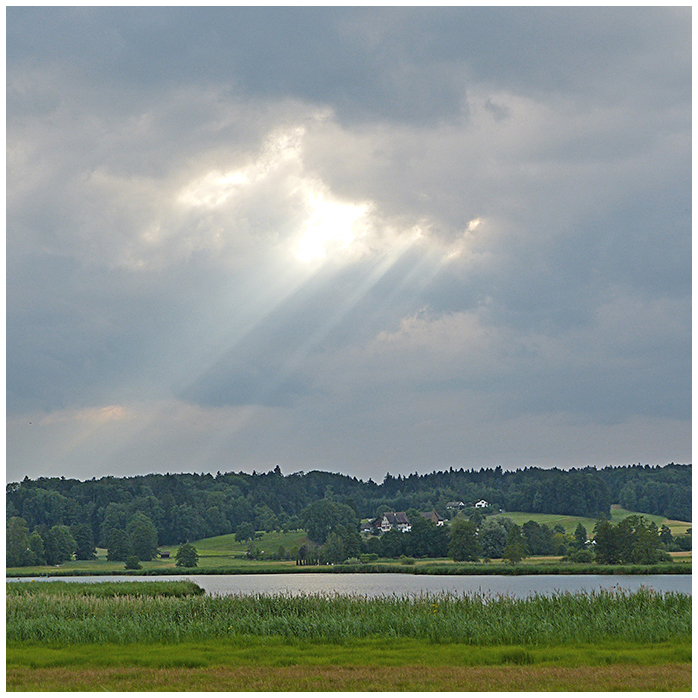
x,y
356,239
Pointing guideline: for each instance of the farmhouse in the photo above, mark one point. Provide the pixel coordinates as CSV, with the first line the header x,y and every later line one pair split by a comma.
x,y
482,504
392,519
367,526
433,517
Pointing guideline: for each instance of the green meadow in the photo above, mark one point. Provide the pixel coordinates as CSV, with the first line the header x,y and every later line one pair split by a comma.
x,y
570,523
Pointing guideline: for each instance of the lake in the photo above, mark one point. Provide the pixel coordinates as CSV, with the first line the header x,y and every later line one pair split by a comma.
x,y
407,584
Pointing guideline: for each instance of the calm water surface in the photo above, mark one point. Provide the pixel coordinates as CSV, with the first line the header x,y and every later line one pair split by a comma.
x,y
408,584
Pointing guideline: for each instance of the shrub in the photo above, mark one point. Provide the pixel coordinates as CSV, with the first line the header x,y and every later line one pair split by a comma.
x,y
581,556
132,563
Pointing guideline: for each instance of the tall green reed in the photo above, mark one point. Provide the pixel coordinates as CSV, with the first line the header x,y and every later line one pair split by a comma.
x,y
642,616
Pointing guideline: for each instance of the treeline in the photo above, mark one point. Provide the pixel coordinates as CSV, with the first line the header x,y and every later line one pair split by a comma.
x,y
186,507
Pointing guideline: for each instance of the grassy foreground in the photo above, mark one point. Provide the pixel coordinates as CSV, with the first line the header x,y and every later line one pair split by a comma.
x,y
360,678
63,636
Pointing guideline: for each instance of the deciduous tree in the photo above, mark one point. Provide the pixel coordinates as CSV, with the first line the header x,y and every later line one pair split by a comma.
x,y
244,532
464,545
59,544
17,542
142,537
187,555
515,549
84,542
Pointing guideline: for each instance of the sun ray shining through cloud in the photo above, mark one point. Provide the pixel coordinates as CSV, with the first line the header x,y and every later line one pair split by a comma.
x,y
345,305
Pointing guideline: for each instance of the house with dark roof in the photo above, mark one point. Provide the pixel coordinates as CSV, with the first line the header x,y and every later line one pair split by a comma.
x,y
433,517
395,519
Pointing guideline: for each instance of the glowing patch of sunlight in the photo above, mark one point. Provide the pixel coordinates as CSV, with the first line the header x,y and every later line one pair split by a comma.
x,y
473,225
331,223
212,189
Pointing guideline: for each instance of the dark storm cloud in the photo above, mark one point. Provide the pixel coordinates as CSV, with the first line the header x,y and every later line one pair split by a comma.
x,y
406,63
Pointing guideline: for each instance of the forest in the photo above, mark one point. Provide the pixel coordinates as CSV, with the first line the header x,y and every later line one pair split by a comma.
x,y
187,507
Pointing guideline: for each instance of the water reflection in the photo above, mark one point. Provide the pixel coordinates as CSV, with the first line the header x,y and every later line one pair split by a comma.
x,y
409,584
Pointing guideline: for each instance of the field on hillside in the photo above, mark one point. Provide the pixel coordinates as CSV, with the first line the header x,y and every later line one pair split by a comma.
x,y
92,637
269,542
221,552
569,523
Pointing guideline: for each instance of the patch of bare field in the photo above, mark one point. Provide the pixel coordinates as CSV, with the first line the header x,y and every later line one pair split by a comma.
x,y
667,677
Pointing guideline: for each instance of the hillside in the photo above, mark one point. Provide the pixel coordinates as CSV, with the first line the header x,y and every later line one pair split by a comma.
x,y
197,506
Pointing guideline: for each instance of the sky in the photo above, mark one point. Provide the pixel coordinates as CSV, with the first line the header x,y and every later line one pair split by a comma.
x,y
359,240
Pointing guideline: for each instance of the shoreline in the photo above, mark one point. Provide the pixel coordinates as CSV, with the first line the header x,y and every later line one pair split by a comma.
x,y
445,570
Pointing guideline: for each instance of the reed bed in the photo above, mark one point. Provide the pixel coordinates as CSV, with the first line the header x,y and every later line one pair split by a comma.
x,y
643,616
105,589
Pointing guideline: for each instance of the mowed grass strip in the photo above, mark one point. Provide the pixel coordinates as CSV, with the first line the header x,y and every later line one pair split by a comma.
x,y
672,677
279,652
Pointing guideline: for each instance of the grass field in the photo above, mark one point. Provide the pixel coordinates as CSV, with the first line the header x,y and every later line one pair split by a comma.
x,y
269,542
569,523
221,552
297,678
93,637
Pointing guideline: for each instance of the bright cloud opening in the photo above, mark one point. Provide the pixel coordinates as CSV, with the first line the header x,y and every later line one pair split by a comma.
x,y
331,223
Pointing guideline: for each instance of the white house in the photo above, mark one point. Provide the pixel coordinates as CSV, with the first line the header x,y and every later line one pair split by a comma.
x,y
398,520
482,504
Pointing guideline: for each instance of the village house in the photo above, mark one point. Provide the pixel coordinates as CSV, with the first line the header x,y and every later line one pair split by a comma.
x,y
392,519
482,504
433,517
367,527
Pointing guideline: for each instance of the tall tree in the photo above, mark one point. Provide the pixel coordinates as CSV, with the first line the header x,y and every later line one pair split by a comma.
x,y
515,549
333,550
245,532
493,538
580,537
187,555
36,549
59,544
464,545
142,537
17,542
606,548
84,542
324,516
117,545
